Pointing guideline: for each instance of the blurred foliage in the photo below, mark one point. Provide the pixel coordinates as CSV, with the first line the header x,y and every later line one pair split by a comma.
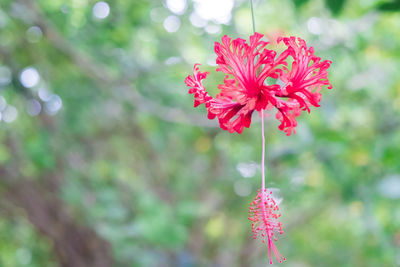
x,y
390,6
148,173
335,6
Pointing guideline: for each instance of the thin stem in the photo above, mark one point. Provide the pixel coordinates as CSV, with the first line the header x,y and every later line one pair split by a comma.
x,y
252,16
263,155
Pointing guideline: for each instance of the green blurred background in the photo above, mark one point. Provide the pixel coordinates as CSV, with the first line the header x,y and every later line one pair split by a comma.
x,y
105,162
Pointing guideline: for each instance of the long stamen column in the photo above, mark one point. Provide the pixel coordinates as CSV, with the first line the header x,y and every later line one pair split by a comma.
x,y
264,210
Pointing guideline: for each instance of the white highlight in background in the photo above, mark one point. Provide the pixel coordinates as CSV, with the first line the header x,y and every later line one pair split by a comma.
x,y
33,107
29,77
10,114
172,23
101,10
177,6
218,11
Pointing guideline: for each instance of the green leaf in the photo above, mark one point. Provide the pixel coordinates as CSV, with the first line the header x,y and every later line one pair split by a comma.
x,y
299,3
335,6
389,6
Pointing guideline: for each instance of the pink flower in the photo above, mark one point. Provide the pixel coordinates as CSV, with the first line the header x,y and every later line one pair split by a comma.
x,y
264,216
245,88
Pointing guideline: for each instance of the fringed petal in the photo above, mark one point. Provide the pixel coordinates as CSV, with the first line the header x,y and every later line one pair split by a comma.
x,y
232,116
196,86
248,65
306,76
287,116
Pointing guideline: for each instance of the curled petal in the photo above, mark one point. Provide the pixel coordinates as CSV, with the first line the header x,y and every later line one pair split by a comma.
x,y
232,116
307,75
287,116
249,64
195,82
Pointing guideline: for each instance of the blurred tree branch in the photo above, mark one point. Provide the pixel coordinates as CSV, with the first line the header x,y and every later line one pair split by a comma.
x,y
75,245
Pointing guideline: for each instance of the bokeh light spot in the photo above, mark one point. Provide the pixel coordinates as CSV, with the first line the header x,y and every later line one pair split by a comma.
x,y
197,21
29,77
172,23
3,103
314,26
3,19
242,188
213,29
217,11
177,6
247,170
5,76
172,61
34,34
33,107
390,186
10,114
53,104
44,94
101,10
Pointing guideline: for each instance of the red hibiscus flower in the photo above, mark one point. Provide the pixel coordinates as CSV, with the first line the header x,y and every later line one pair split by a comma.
x,y
245,88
